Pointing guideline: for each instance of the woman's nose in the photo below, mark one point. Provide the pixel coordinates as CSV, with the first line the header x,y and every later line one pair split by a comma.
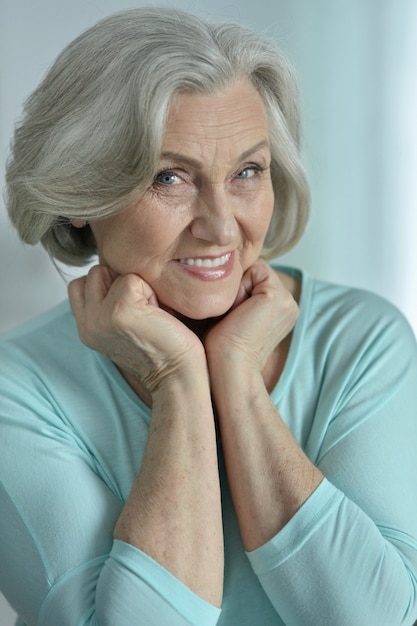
x,y
215,219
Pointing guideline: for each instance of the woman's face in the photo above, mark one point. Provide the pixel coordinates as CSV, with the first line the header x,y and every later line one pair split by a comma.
x,y
202,222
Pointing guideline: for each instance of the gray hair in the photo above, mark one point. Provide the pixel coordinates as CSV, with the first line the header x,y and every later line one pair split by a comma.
x,y
92,132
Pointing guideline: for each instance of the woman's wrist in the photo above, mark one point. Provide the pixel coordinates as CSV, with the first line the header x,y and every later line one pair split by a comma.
x,y
186,377
188,386
236,381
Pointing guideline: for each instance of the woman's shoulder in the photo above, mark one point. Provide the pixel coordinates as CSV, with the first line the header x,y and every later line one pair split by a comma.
x,y
47,337
351,314
61,313
351,305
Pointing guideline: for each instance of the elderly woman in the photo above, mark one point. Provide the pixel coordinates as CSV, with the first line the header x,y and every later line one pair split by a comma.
x,y
198,438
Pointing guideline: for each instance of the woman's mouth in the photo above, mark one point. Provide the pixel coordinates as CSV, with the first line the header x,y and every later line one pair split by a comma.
x,y
207,262
208,268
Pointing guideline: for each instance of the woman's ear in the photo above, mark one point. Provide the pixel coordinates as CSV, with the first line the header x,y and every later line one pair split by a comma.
x,y
78,223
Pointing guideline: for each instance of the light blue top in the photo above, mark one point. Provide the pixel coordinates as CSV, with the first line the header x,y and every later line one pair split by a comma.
x,y
73,433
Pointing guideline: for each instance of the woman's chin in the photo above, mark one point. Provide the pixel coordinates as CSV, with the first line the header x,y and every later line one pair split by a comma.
x,y
200,313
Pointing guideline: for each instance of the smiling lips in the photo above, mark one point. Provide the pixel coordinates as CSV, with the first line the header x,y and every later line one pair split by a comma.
x,y
208,268
204,262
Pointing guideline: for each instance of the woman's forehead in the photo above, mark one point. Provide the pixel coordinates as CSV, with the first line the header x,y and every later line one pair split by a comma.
x,y
234,117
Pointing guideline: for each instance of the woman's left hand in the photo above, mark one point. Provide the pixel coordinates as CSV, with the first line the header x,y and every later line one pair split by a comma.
x,y
269,475
263,314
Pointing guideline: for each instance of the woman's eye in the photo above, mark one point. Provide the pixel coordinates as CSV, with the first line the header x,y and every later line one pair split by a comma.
x,y
166,178
249,172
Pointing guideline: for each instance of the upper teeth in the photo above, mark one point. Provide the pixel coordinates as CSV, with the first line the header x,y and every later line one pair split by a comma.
x,y
221,260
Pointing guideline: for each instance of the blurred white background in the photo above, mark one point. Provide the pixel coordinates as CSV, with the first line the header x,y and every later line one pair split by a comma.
x,y
357,68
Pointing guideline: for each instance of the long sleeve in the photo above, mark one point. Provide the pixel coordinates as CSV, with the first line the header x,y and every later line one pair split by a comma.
x,y
349,555
58,563
71,445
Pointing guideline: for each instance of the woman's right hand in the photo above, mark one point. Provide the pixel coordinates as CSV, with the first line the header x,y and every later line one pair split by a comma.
x,y
120,318
173,512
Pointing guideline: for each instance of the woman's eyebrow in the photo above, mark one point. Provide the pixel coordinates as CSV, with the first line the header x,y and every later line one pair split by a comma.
x,y
181,158
187,160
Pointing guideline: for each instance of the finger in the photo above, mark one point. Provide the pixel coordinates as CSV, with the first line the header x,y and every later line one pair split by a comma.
x,y
98,283
244,292
262,277
134,290
257,274
246,286
76,290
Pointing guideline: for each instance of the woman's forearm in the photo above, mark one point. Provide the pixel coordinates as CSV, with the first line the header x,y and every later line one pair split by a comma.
x,y
174,510
269,475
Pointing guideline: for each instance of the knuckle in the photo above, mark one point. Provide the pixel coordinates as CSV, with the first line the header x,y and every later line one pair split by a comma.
x,y
75,289
128,283
118,316
95,271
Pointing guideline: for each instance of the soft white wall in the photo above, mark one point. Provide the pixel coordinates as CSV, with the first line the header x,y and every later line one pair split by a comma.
x,y
357,64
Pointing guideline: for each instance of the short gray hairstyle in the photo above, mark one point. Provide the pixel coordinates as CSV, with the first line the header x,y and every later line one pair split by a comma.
x,y
91,133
